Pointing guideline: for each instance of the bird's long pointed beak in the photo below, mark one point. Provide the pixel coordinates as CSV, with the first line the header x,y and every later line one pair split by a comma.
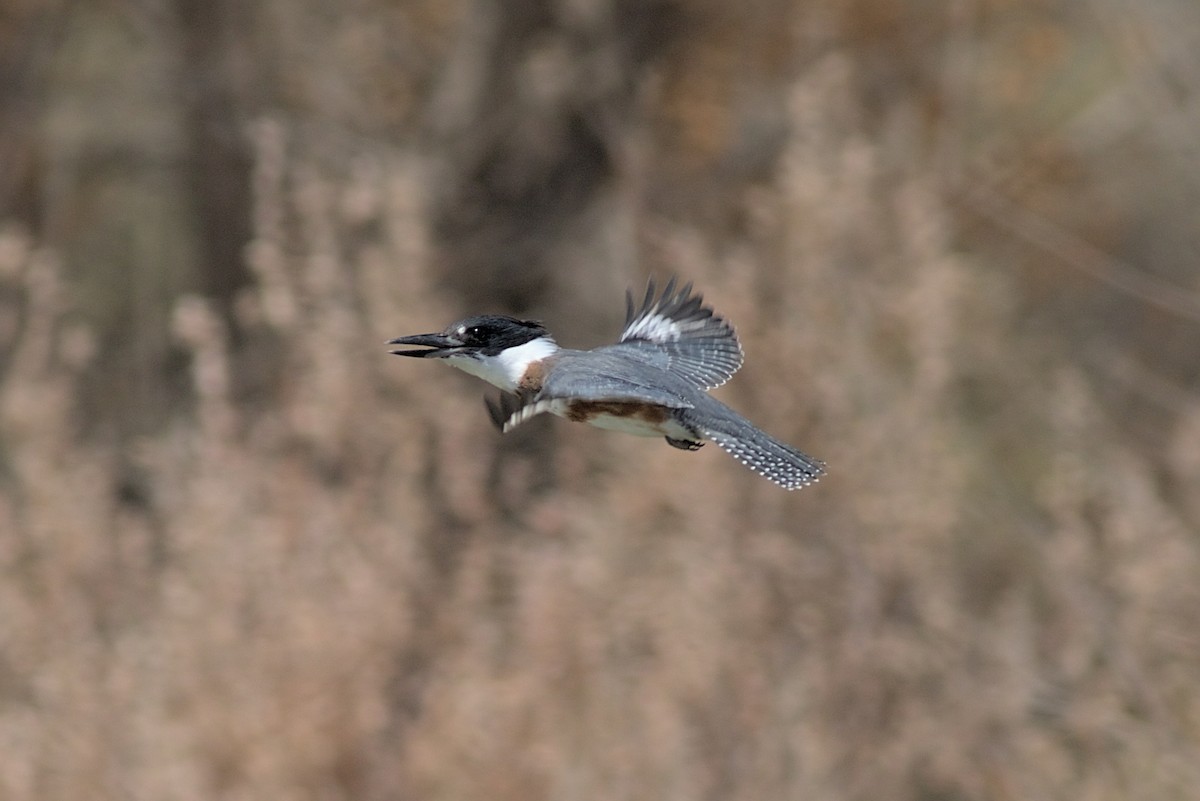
x,y
440,345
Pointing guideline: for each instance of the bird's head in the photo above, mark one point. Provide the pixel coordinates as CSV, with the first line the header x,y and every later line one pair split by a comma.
x,y
494,347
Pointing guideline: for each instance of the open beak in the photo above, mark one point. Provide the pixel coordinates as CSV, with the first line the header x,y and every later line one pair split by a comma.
x,y
440,345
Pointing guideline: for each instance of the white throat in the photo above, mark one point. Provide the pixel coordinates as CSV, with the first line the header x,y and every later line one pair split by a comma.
x,y
508,367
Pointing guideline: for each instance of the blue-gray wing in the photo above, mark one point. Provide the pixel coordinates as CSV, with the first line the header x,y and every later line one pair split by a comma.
x,y
677,330
606,374
609,374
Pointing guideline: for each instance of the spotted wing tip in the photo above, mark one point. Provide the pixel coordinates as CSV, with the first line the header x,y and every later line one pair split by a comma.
x,y
809,478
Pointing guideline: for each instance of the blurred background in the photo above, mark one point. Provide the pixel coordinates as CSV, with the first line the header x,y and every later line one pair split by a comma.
x,y
246,554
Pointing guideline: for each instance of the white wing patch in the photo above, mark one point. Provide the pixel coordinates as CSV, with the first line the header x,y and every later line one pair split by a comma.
x,y
526,413
511,411
657,327
701,346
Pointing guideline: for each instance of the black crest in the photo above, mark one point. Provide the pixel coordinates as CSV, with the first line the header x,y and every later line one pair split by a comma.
x,y
492,333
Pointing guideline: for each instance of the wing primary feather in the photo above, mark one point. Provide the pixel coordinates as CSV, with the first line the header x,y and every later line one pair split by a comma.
x,y
510,410
683,293
698,343
497,410
521,414
669,291
649,299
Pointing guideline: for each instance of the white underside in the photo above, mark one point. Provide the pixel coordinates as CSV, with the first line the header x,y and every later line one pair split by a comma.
x,y
639,428
629,425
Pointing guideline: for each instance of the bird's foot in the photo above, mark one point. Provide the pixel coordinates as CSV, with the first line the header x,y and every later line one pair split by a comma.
x,y
684,444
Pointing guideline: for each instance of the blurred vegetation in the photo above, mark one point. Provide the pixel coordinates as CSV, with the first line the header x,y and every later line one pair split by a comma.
x,y
246,554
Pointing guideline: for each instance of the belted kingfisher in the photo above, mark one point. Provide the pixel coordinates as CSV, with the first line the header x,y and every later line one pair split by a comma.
x,y
652,382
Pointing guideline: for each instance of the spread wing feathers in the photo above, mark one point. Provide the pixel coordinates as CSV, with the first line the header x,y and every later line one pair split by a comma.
x,y
509,410
700,345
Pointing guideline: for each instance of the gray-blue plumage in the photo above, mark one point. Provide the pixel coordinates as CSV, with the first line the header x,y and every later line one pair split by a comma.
x,y
672,350
652,382
678,332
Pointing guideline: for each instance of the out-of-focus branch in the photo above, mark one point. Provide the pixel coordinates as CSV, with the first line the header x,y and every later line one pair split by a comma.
x,y
1076,252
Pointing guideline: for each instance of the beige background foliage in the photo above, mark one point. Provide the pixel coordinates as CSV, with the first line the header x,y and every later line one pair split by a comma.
x,y
246,554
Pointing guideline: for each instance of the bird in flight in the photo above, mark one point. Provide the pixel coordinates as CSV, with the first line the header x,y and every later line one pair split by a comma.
x,y
653,382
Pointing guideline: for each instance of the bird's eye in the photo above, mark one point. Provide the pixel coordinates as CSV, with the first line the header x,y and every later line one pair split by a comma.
x,y
475,331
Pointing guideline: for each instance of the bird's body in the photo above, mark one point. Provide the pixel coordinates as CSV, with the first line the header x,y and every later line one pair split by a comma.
x,y
652,382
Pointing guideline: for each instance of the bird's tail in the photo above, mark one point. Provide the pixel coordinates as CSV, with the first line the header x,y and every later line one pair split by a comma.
x,y
788,467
